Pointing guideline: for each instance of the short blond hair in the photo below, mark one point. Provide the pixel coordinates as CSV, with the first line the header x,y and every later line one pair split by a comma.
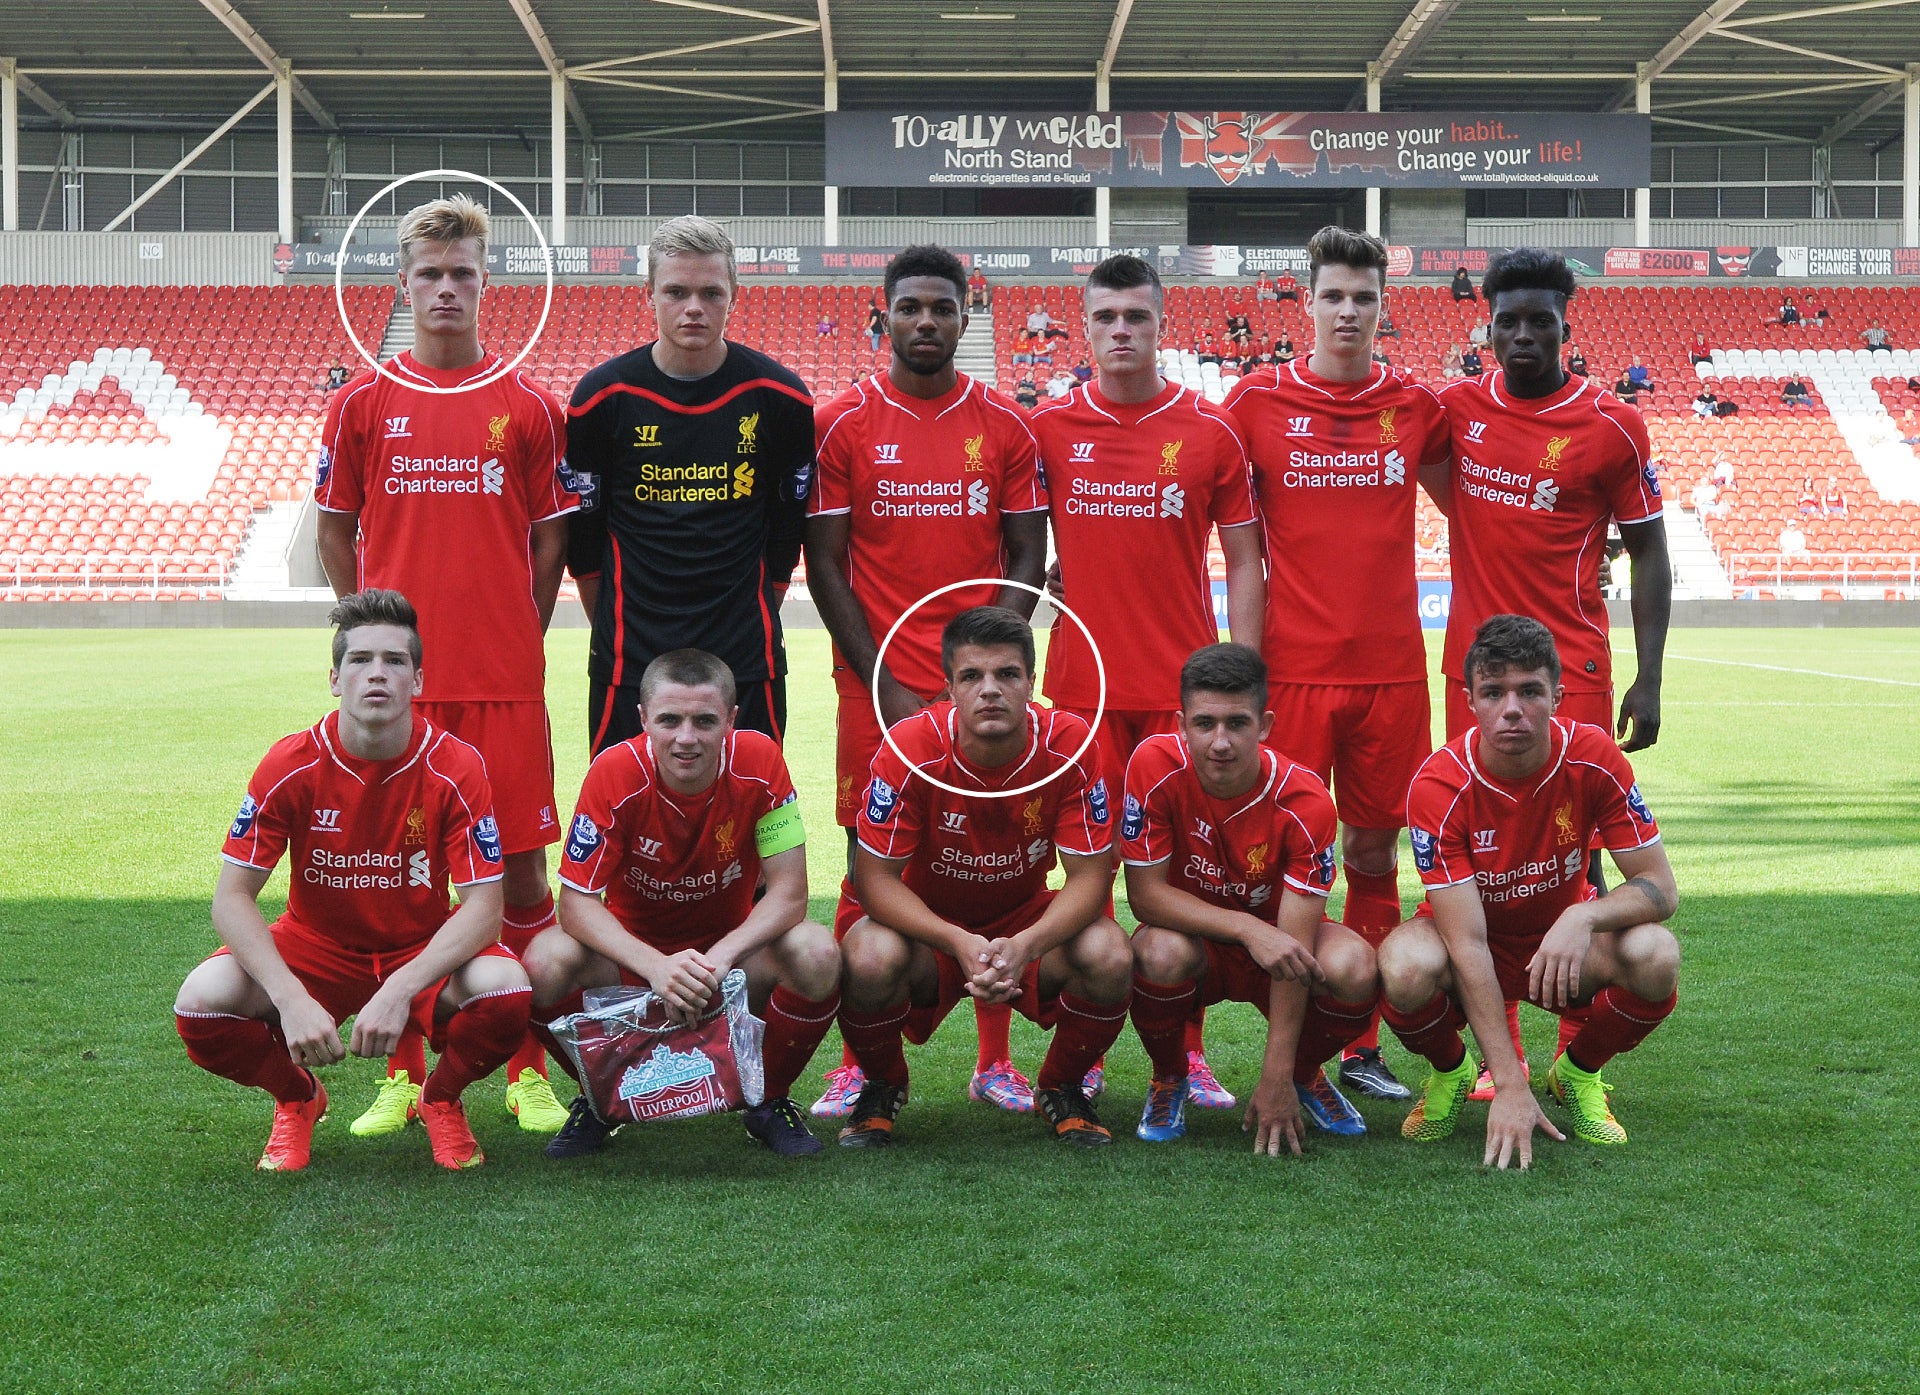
x,y
690,236
454,219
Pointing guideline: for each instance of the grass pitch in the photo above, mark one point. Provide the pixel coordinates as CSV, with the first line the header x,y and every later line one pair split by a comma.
x,y
1751,1237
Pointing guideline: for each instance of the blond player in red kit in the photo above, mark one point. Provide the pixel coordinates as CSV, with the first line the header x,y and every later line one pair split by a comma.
x,y
457,498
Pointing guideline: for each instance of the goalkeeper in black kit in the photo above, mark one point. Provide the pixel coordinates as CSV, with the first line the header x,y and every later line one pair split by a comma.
x,y
692,456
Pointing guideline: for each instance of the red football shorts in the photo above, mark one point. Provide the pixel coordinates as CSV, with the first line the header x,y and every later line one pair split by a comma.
x,y
1232,976
854,749
1367,742
1594,708
341,980
1120,734
515,739
953,980
1511,953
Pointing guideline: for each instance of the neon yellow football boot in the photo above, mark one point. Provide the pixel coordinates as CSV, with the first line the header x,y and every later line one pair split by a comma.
x,y
1437,1111
1584,1094
392,1110
531,1100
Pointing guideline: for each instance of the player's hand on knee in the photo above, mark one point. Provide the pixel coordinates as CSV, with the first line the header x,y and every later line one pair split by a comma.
x,y
1511,1120
313,1038
378,1026
1553,974
1284,957
1273,1117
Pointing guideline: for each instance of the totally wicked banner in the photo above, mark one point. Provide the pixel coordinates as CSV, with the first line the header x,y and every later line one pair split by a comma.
x,y
1239,149
1222,261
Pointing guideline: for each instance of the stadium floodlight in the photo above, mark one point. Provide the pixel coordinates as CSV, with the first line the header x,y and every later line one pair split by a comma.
x,y
386,14
1564,18
996,16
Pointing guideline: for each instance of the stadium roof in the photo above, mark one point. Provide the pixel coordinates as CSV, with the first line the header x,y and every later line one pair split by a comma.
x,y
762,69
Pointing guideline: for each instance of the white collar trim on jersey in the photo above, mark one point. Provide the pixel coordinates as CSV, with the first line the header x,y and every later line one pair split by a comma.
x,y
879,381
1562,736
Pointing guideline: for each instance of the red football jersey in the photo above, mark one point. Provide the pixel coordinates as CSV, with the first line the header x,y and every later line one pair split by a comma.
x,y
1525,843
1335,470
924,484
1534,485
1136,489
1231,853
974,858
678,870
447,487
375,843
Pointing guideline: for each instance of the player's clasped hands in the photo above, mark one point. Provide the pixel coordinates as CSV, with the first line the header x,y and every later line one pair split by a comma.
x,y
686,982
1511,1120
998,967
1273,1117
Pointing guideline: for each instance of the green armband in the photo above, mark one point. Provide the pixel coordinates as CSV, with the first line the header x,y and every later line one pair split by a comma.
x,y
779,830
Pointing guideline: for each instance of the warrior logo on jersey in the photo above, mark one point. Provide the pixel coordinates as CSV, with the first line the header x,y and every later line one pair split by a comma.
x,y
1322,874
1638,804
723,838
1388,436
646,437
243,820
584,838
1424,848
1257,860
1555,444
1030,816
1476,431
486,837
1097,801
1170,457
973,445
1563,831
1132,818
743,480
1083,452
497,431
881,798
749,434
416,825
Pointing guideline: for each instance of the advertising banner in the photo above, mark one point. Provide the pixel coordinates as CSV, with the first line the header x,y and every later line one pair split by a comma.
x,y
1239,149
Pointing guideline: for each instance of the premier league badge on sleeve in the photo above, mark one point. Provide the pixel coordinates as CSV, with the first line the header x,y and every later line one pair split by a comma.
x,y
881,798
486,837
243,820
1424,848
1323,868
1638,804
322,468
1097,801
581,483
1132,818
583,839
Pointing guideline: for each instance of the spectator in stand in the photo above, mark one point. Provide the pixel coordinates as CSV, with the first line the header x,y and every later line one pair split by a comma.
x,y
1239,329
1789,310
1793,543
1027,393
826,326
1722,475
1701,350
1706,406
1470,362
1451,363
1576,361
1060,384
1386,329
1477,336
876,326
1082,371
978,296
1794,393
1380,356
1814,313
1263,288
337,376
1876,338
1809,500
1289,288
1642,376
1044,326
1207,348
1626,389
1462,285
1833,501
1283,348
1022,348
1706,500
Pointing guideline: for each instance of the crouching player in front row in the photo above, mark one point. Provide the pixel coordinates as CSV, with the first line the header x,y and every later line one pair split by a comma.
x,y
949,894
1229,856
1501,818
381,809
675,828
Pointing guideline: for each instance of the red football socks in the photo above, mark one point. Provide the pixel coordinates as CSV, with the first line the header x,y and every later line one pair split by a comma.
x,y
1571,1021
1194,1037
409,1056
1082,1032
1328,1026
519,924
1373,913
1431,1030
246,1051
482,1035
1162,1013
795,1026
875,1040
995,1022
1619,1021
1513,1030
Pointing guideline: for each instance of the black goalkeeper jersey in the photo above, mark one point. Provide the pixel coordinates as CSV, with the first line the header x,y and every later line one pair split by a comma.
x,y
693,501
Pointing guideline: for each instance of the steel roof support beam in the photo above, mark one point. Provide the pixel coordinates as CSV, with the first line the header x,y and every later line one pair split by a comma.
x,y
237,25
194,154
537,32
1675,48
1423,21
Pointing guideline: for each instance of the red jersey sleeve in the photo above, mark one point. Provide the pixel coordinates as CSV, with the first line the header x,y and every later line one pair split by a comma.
x,y
758,759
268,811
1022,485
543,457
1434,427
1083,819
469,838
590,856
1233,478
893,814
1149,814
1437,823
340,470
834,442
1616,805
1633,485
1313,828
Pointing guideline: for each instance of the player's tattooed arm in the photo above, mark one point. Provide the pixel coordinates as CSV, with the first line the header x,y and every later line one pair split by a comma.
x,y
1658,897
